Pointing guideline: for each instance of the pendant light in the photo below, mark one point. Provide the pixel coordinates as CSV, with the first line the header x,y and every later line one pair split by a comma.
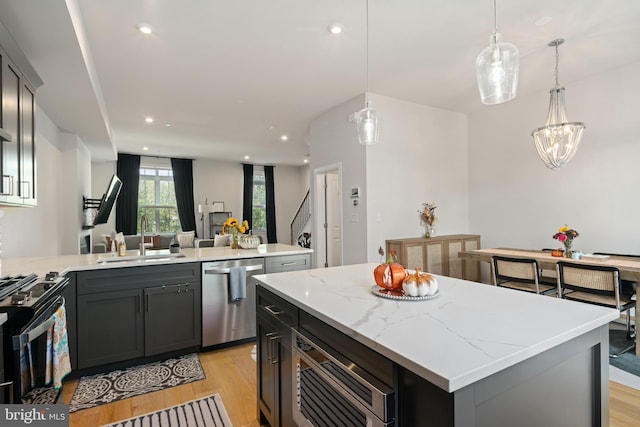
x,y
557,141
367,120
497,68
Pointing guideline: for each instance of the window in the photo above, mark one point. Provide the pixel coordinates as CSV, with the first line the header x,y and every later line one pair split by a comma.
x,y
157,200
259,212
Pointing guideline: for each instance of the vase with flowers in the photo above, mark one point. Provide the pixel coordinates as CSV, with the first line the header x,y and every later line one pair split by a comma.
x,y
565,235
235,228
428,218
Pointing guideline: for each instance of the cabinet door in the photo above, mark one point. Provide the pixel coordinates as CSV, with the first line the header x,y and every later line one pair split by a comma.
x,y
471,269
268,372
11,99
436,262
27,184
172,318
110,327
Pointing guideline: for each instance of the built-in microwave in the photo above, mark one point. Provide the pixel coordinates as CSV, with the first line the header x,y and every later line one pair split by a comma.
x,y
330,390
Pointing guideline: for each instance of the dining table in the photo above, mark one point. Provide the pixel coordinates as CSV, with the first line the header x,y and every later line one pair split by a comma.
x,y
628,266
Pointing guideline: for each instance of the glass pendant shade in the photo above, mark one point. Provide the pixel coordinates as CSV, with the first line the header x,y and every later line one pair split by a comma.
x,y
367,123
557,141
497,69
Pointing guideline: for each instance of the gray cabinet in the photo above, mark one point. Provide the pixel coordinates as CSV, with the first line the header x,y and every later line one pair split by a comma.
x,y
275,317
132,312
110,327
17,128
171,323
282,263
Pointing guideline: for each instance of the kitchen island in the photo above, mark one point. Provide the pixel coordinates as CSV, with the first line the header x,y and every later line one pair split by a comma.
x,y
476,355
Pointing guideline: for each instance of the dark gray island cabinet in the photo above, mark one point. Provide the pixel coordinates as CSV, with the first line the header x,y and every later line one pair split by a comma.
x,y
471,357
133,312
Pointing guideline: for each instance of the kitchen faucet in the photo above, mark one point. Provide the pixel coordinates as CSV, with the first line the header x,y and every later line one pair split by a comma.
x,y
144,226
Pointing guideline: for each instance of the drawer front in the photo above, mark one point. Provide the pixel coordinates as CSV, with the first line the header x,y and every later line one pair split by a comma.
x,y
125,278
275,307
278,264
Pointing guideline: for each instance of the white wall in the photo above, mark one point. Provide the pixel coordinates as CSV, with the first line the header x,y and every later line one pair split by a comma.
x,y
515,201
54,226
421,157
334,141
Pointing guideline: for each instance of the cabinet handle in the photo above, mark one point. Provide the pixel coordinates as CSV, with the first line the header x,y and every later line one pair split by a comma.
x,y
139,303
284,264
148,303
273,310
273,337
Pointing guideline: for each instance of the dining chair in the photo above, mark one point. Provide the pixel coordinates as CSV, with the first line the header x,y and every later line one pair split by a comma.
x,y
595,284
627,287
522,274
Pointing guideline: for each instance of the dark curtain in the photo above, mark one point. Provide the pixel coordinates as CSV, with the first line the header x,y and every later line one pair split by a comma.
x,y
128,170
183,183
247,197
271,205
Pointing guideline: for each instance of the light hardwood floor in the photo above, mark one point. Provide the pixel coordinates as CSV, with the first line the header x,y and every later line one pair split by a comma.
x,y
231,372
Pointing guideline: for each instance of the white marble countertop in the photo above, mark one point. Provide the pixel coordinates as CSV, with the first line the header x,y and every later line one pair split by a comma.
x,y
66,263
469,332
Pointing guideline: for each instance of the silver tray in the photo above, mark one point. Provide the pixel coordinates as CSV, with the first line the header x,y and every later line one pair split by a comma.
x,y
399,294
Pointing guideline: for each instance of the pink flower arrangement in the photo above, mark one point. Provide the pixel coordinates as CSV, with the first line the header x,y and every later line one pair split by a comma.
x,y
565,233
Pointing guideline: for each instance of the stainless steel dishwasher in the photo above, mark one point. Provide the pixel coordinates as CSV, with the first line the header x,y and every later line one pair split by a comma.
x,y
223,319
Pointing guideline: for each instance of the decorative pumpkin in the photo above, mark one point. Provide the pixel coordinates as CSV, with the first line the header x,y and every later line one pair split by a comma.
x,y
419,284
389,275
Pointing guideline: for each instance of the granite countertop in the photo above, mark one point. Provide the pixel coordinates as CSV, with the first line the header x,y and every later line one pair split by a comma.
x,y
469,332
67,263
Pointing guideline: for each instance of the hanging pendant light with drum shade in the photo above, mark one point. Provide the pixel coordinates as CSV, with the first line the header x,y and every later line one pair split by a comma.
x,y
557,141
367,120
497,68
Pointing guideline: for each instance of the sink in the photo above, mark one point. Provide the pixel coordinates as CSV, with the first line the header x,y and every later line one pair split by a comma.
x,y
150,256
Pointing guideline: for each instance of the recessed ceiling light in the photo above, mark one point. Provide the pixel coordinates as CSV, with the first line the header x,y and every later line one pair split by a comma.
x,y
284,137
167,124
145,29
543,21
145,148
335,28
306,160
246,157
148,119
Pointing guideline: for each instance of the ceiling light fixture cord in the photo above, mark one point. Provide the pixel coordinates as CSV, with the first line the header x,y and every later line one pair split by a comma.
x,y
367,121
366,94
495,17
557,61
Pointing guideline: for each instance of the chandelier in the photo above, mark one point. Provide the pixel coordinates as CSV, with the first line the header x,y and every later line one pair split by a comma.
x,y
557,141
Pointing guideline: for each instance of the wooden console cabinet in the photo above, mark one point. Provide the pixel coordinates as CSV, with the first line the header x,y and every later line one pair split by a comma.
x,y
438,255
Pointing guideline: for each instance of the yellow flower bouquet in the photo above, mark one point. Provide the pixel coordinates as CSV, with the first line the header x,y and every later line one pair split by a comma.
x,y
234,227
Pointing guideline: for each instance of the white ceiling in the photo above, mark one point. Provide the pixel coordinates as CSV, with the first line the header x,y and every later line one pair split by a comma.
x,y
232,76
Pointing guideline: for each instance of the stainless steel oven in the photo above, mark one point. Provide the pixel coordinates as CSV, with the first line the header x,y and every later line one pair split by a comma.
x,y
329,390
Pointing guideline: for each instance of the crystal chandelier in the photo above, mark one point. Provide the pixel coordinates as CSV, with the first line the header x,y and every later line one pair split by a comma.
x,y
367,121
497,68
557,141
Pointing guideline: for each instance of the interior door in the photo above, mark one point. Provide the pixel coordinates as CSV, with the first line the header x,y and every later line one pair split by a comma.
x,y
334,223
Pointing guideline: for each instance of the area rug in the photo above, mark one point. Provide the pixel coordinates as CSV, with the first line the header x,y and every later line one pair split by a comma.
x,y
122,384
206,412
627,361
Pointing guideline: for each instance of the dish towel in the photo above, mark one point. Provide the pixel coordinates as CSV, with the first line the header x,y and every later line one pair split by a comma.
x,y
237,283
58,361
